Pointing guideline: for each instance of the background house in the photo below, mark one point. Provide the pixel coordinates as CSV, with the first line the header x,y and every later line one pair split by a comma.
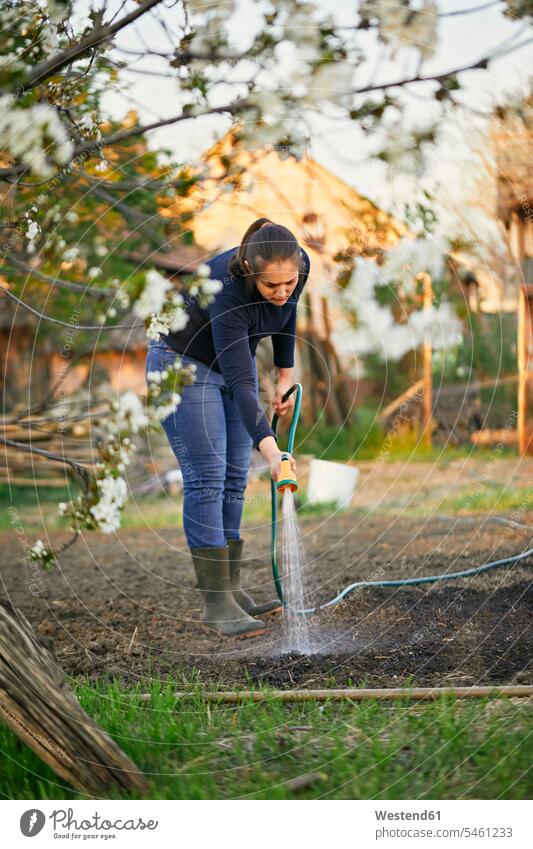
x,y
116,357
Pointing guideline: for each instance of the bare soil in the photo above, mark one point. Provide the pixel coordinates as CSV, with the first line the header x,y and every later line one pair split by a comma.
x,y
126,607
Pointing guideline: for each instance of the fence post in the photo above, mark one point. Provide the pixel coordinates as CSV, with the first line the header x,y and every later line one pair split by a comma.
x,y
427,400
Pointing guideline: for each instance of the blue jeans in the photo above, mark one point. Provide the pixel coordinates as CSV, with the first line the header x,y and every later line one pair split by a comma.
x,y
213,449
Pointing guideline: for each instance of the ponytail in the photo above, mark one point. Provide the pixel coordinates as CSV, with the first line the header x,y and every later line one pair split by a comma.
x,y
264,242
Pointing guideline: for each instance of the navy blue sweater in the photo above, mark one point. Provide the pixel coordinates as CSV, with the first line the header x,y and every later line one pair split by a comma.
x,y
226,334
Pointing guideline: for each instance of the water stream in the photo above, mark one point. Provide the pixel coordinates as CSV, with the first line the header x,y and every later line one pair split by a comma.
x,y
296,627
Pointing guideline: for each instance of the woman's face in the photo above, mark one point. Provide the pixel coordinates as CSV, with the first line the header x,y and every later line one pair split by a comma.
x,y
277,281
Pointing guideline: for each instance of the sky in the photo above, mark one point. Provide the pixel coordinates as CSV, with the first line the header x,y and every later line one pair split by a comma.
x,y
335,143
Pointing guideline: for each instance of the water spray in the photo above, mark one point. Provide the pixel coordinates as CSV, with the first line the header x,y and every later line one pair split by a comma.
x,y
288,484
287,481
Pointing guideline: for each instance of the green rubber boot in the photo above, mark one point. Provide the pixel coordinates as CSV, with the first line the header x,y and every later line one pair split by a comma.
x,y
221,611
242,598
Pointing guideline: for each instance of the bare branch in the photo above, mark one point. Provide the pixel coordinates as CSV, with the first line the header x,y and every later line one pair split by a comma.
x,y
471,10
155,125
75,536
142,221
94,39
56,281
126,185
41,406
131,132
65,323
234,107
481,63
82,472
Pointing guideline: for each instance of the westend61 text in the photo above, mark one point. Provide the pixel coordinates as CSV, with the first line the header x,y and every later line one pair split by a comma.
x,y
407,815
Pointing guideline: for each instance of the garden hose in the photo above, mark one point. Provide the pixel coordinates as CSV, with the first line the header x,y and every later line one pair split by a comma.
x,y
285,477
404,582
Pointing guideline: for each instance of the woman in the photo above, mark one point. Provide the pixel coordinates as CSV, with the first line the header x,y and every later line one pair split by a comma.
x,y
220,418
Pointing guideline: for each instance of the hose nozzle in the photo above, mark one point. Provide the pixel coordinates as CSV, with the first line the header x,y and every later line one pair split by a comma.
x,y
286,478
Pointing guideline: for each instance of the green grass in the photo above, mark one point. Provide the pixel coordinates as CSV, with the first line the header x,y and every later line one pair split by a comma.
x,y
366,439
29,502
33,506
494,499
371,750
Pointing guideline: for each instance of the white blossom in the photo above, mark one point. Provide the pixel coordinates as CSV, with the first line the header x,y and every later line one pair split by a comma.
x,y
157,326
123,299
412,256
130,412
377,330
161,411
71,253
32,230
106,511
332,81
153,294
210,6
178,318
211,28
89,125
57,11
401,25
34,134
39,549
211,286
304,32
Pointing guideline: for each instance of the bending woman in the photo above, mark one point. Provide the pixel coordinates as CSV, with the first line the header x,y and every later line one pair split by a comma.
x,y
220,419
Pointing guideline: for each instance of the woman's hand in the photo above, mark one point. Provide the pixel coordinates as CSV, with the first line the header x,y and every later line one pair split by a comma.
x,y
270,451
283,385
275,466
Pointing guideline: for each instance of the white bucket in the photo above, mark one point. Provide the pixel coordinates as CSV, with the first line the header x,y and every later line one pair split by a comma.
x,y
331,482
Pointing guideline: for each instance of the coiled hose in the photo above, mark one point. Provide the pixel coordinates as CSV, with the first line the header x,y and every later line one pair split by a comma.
x,y
404,582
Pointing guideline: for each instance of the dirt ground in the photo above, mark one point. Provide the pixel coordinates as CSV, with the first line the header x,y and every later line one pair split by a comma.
x,y
126,606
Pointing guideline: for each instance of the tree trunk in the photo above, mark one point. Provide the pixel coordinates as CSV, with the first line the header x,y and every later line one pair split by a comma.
x,y
41,709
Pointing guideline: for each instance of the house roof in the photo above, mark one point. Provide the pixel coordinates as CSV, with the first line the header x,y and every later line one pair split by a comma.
x,y
183,259
325,213
327,216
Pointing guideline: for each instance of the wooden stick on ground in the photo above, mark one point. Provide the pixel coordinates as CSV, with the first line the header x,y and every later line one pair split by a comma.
x,y
359,695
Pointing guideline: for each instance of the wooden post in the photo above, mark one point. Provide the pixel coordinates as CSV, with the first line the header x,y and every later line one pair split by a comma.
x,y
522,372
427,401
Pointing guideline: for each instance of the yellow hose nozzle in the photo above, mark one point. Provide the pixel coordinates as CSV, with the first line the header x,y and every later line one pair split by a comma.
x,y
286,478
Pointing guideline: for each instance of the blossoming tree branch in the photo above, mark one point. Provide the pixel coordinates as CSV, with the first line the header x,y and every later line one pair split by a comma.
x,y
81,190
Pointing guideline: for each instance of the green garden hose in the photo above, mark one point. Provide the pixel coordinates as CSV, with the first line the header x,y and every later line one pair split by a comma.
x,y
429,579
297,387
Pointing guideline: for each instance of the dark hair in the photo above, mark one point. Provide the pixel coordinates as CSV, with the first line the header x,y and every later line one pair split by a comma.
x,y
262,243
